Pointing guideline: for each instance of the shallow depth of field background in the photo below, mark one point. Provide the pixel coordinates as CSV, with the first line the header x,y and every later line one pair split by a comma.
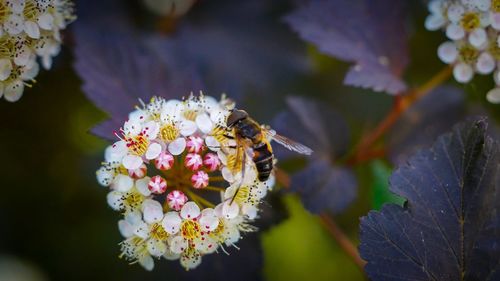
x,y
54,219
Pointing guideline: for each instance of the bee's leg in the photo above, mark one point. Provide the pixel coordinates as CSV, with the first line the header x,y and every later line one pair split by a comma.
x,y
243,168
218,146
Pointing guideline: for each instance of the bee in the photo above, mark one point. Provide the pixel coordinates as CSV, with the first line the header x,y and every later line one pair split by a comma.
x,y
251,136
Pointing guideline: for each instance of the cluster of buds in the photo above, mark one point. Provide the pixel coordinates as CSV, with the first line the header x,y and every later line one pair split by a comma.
x,y
174,176
29,29
472,27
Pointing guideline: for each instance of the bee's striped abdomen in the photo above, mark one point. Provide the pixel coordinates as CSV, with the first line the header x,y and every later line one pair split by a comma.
x,y
263,159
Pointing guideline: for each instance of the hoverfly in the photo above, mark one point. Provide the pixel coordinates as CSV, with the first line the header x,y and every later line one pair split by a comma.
x,y
251,136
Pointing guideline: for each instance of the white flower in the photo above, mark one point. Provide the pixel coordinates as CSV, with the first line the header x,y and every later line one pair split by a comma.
x,y
473,27
28,32
166,212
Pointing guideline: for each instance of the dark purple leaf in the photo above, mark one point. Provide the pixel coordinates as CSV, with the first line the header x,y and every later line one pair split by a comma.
x,y
449,228
425,121
323,187
371,34
315,125
238,46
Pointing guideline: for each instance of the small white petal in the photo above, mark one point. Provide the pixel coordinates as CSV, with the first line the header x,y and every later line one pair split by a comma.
x,y
142,186
463,72
232,235
13,91
115,200
493,96
495,20
190,210
455,32
122,183
230,211
132,127
147,262
23,56
485,63
478,38
156,248
5,69
14,24
496,77
30,71
153,151
141,230
448,52
151,129
434,22
152,210
177,146
126,229
435,6
32,29
204,123
17,6
132,162
46,21
455,12
138,116
172,222
187,127
208,220
104,177
250,211
191,261
212,143
227,175
171,256
178,244
115,152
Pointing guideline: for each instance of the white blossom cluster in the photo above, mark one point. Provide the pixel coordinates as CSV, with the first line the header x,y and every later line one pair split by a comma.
x,y
173,174
472,27
29,29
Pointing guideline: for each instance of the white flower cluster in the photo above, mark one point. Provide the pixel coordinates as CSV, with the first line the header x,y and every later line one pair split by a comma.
x,y
29,29
191,159
472,27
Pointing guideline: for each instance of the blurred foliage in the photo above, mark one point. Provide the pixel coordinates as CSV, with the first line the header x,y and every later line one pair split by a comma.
x,y
380,186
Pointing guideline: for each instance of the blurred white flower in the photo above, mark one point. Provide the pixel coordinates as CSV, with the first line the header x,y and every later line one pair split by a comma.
x,y
29,30
473,28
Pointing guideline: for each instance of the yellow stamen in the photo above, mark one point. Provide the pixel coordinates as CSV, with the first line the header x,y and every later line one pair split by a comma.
x,y
470,21
169,132
468,54
158,232
190,229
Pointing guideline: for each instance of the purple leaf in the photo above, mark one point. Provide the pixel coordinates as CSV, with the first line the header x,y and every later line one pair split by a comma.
x,y
450,226
371,34
315,125
323,187
421,124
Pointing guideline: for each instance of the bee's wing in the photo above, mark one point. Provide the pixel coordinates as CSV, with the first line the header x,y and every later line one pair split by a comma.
x,y
288,143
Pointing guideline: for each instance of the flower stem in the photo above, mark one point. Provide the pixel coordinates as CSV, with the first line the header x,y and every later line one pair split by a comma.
x,y
329,223
401,104
342,239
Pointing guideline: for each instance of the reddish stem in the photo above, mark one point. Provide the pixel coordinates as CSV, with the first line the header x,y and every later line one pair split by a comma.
x,y
401,104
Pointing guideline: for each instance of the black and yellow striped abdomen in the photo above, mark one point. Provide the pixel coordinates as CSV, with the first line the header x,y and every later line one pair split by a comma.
x,y
263,159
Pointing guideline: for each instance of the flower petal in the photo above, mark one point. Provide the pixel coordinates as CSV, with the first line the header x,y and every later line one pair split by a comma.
x,y
172,222
122,183
190,210
152,210
177,146
132,162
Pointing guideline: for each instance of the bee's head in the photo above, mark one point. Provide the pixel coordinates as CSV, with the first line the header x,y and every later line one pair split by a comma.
x,y
235,116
